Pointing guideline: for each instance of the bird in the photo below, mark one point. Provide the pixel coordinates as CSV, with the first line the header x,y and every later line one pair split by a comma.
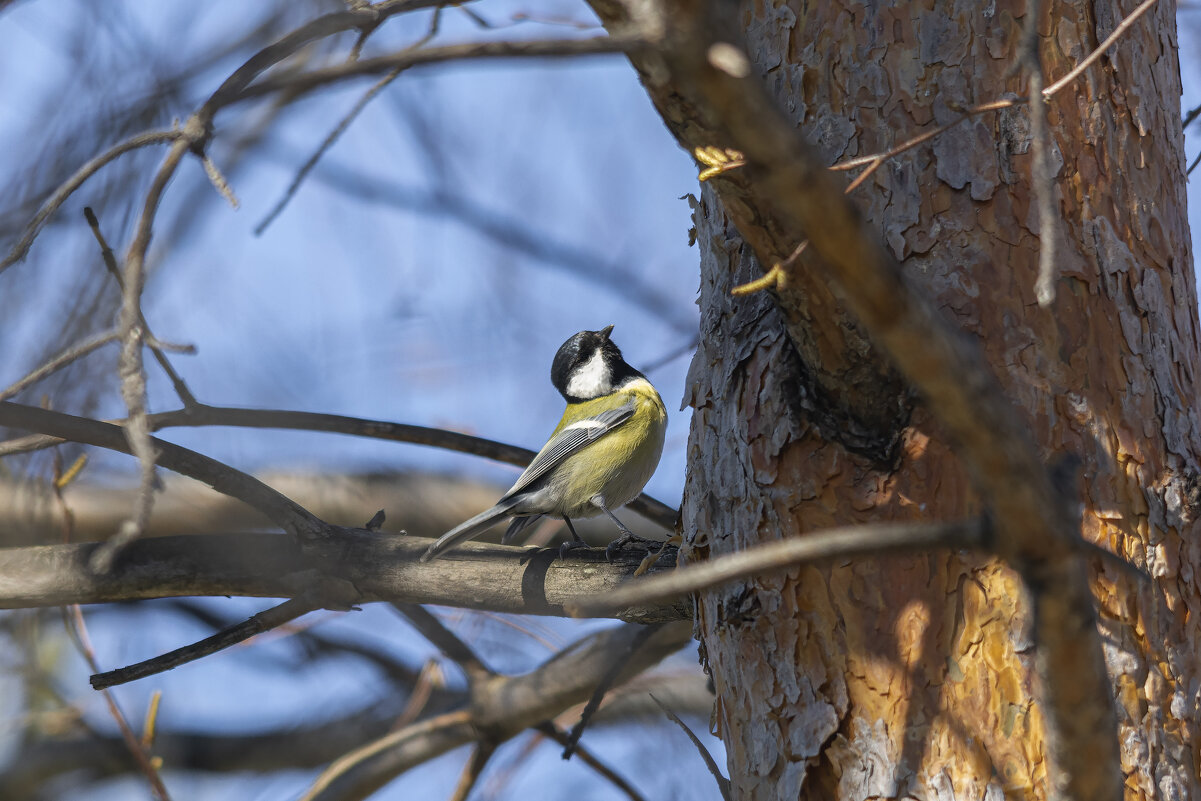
x,y
600,455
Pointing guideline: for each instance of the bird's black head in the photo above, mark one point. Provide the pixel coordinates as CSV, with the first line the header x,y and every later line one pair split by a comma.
x,y
589,365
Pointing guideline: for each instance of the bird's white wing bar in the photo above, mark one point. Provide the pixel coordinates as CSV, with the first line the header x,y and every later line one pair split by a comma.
x,y
569,441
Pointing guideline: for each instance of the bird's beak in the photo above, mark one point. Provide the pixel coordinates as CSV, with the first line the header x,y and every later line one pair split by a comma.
x,y
604,332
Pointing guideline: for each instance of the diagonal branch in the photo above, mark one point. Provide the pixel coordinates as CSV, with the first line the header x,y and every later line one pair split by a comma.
x,y
227,638
68,187
221,477
836,542
503,707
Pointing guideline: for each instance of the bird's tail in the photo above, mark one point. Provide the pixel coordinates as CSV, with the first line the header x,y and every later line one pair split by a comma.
x,y
468,529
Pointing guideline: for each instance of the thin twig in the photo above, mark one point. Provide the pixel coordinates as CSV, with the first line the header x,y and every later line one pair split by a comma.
x,y
305,82
723,784
588,758
257,624
1192,115
67,357
73,616
602,687
350,117
139,749
1130,19
480,755
329,141
130,368
156,347
442,638
219,181
68,187
1040,146
876,159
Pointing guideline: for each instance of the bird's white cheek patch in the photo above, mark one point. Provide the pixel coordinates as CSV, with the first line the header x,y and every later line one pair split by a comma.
x,y
591,379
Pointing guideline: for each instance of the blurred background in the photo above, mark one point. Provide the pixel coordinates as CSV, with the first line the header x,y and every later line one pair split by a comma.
x,y
469,220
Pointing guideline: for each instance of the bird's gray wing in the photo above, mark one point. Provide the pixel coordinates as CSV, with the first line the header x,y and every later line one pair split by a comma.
x,y
569,441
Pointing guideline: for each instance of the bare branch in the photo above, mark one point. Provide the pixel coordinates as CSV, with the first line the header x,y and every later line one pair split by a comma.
x,y
110,263
74,618
221,477
305,82
833,543
325,145
472,770
350,117
1030,61
723,784
606,682
443,639
130,367
588,758
201,415
1130,19
67,357
502,708
381,567
263,621
81,175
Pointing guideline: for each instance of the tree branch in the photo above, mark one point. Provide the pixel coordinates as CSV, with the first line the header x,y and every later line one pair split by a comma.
x,y
831,543
68,187
379,567
502,707
279,509
264,621
202,415
301,83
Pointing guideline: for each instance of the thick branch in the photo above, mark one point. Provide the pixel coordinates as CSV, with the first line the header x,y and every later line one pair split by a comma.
x,y
381,567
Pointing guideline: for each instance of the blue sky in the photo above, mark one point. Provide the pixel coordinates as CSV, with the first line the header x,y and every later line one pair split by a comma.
x,y
375,306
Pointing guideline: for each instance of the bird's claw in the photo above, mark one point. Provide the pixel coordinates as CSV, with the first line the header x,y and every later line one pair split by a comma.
x,y
571,545
624,540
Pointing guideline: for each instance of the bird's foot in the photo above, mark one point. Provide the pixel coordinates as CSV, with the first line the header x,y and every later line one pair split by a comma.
x,y
572,545
626,540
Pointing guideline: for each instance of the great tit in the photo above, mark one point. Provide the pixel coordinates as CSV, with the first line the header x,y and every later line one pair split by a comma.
x,y
597,459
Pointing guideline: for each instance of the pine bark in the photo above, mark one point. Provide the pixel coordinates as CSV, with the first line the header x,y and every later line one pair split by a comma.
x,y
915,676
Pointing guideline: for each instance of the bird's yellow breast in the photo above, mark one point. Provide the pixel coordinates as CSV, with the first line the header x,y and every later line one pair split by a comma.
x,y
618,465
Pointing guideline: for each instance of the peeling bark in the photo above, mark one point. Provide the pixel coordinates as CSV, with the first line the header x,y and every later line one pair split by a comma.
x,y
914,676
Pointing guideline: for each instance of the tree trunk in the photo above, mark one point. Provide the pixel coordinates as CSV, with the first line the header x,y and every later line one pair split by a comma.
x,y
915,676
